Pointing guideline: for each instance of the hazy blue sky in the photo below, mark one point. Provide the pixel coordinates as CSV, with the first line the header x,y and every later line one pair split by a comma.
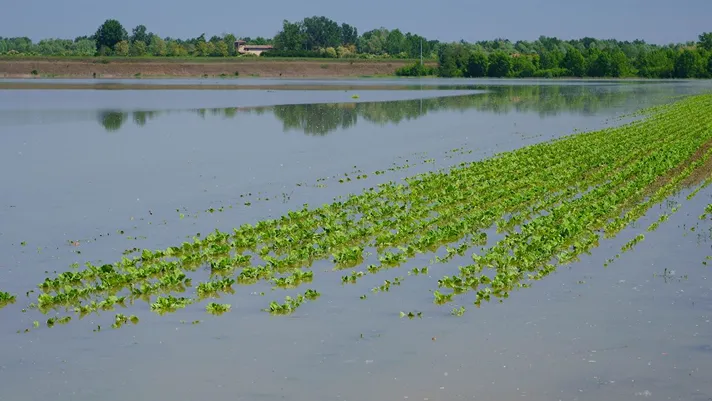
x,y
656,21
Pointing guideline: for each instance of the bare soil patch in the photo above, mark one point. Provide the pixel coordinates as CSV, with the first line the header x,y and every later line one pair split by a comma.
x,y
130,68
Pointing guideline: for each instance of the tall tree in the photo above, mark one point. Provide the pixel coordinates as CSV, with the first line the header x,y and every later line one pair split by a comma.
x,y
551,59
373,41
574,62
395,43
500,64
321,32
157,46
620,66
477,65
291,37
453,60
229,40
688,64
349,34
140,34
706,41
599,63
658,63
109,34
523,66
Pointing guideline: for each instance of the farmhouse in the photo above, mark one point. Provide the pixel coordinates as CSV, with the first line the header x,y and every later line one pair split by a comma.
x,y
243,48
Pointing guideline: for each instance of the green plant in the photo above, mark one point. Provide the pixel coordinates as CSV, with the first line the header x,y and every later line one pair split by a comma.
x,y
543,206
217,309
6,299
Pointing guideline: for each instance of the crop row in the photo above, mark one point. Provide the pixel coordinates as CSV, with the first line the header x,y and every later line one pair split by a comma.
x,y
537,208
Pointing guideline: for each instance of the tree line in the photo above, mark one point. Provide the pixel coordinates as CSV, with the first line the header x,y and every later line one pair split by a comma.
x,y
549,57
316,36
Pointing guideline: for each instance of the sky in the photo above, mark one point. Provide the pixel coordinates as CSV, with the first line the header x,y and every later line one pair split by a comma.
x,y
655,21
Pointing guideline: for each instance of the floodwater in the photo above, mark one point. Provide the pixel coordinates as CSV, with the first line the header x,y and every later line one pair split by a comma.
x,y
118,169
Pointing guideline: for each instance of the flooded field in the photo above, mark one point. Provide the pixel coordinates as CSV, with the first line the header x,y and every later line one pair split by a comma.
x,y
314,240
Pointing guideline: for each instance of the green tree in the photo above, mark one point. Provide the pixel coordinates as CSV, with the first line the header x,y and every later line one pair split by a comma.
x,y
139,34
109,34
452,60
500,64
523,67
395,42
477,65
122,48
175,49
620,65
551,59
706,41
659,63
229,40
321,32
138,49
373,42
574,62
599,63
689,64
349,34
413,43
157,47
220,49
84,47
291,37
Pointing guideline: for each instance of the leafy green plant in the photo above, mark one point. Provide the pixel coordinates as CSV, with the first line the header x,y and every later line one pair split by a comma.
x,y
519,215
6,299
217,309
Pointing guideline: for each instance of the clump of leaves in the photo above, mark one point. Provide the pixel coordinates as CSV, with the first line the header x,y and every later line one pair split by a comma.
x,y
6,299
291,304
120,320
458,311
217,309
169,304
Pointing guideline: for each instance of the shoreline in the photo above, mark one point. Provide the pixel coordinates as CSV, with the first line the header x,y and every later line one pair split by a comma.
x,y
188,68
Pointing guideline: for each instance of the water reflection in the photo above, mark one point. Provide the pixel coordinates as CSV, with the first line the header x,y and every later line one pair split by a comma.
x,y
321,119
112,120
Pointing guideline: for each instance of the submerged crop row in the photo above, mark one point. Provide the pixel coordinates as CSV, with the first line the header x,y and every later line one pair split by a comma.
x,y
520,213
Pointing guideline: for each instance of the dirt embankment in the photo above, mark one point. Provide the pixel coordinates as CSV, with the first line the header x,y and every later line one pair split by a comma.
x,y
118,68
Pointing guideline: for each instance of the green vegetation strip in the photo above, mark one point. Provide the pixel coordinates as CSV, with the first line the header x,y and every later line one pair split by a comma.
x,y
547,204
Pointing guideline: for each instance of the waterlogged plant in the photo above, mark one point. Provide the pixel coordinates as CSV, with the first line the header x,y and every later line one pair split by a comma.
x,y
6,299
297,278
515,218
214,288
168,304
217,309
291,304
121,320
287,307
458,311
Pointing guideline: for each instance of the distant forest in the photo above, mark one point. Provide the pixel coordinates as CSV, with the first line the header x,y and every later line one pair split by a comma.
x,y
321,37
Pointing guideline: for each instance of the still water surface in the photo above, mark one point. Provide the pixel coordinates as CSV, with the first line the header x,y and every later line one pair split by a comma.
x,y
139,168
